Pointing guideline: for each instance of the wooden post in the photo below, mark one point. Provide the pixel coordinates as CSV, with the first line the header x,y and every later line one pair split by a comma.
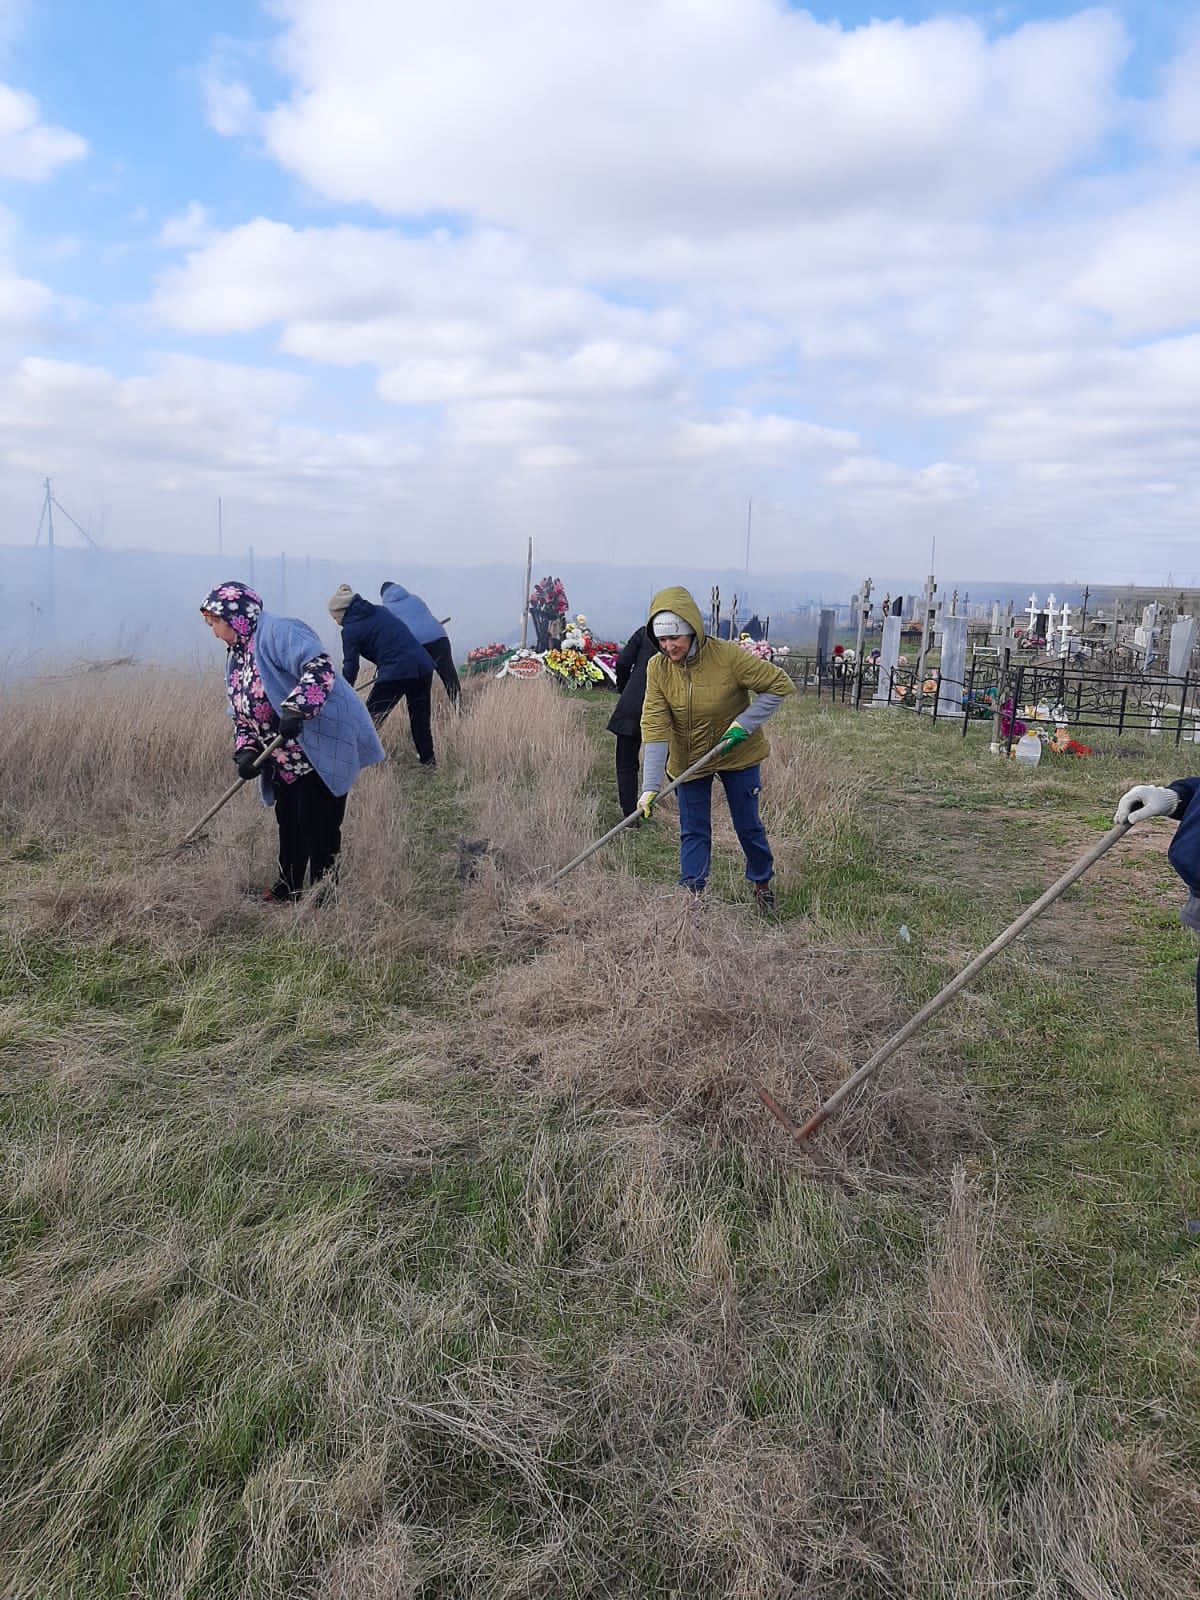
x,y
528,590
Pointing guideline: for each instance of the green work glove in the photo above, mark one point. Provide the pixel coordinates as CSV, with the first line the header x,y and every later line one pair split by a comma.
x,y
734,734
646,801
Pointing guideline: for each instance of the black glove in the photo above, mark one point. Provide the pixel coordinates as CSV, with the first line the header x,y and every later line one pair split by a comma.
x,y
244,760
290,723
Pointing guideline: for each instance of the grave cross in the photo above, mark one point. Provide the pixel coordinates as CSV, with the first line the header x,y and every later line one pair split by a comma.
x,y
1064,629
1051,618
1033,611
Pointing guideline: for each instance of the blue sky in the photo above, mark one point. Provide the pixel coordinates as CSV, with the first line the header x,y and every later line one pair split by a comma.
x,y
384,275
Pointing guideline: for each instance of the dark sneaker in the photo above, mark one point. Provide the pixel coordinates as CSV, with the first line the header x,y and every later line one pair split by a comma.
x,y
764,898
430,765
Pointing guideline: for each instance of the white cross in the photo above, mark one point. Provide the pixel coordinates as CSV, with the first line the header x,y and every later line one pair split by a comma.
x,y
1064,628
1033,611
1051,618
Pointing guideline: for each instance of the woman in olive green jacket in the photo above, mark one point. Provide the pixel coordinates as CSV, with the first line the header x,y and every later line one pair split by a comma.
x,y
700,692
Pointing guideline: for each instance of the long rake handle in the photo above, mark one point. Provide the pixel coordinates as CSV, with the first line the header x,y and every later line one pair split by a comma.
x,y
628,821
943,996
229,793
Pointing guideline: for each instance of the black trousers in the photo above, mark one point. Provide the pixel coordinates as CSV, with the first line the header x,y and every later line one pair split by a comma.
x,y
384,696
309,817
629,749
442,656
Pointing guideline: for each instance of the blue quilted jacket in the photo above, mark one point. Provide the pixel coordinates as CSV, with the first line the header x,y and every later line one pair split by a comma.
x,y
340,740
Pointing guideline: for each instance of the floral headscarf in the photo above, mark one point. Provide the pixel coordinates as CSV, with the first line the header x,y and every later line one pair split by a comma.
x,y
234,603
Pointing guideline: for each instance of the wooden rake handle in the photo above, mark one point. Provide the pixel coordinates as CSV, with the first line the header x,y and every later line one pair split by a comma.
x,y
193,833
944,996
627,822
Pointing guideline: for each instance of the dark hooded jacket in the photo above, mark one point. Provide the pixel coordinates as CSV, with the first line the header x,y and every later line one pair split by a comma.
x,y
1184,850
636,655
380,636
691,705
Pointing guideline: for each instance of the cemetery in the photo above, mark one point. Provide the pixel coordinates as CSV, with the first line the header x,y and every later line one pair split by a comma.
x,y
1048,670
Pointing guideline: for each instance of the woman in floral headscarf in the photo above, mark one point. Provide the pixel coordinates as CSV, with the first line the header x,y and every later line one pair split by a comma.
x,y
281,681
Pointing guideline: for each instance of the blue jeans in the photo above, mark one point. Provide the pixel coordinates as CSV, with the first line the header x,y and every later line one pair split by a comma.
x,y
695,826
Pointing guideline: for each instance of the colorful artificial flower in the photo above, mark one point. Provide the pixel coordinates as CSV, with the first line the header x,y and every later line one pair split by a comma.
x,y
573,668
550,597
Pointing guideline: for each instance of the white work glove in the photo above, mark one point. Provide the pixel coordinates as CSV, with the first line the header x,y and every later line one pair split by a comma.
x,y
1146,800
646,801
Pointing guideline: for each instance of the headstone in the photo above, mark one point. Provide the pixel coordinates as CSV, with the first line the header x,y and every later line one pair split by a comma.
x,y
889,654
953,670
1183,639
995,616
825,635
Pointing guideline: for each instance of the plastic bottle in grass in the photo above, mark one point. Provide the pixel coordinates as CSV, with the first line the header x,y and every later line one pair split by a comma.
x,y
1028,750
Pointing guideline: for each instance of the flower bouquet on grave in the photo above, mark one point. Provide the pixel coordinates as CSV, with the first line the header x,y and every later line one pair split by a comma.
x,y
603,654
572,668
522,664
547,605
486,656
1062,743
759,647
1009,724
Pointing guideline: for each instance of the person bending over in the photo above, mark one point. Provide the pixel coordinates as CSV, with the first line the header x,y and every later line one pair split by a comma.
x,y
403,670
280,681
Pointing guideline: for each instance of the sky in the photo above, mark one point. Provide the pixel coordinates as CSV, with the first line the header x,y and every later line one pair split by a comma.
x,y
851,287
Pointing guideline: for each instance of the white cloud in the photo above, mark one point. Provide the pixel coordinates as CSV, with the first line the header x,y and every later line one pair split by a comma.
x,y
230,106
1175,119
188,231
761,438
30,150
1144,269
640,260
654,119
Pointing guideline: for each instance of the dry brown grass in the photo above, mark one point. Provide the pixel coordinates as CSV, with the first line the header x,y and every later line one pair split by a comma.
x,y
432,1242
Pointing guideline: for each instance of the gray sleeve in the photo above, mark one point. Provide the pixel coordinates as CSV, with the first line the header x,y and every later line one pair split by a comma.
x,y
654,766
757,712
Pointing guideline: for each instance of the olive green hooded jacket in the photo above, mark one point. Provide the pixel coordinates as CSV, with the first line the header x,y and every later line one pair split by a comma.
x,y
691,705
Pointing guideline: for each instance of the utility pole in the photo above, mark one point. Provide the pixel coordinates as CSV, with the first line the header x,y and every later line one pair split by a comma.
x,y
48,510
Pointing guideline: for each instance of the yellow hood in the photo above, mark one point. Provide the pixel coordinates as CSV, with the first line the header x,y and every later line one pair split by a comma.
x,y
679,601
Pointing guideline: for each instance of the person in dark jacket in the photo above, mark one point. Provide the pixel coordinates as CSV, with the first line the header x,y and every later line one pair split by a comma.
x,y
626,720
427,630
1180,801
403,670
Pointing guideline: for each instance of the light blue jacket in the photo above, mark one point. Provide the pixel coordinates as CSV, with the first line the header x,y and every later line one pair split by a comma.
x,y
412,611
340,740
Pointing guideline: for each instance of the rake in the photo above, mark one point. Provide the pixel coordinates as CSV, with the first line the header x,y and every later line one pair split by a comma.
x,y
804,1132
196,834
635,816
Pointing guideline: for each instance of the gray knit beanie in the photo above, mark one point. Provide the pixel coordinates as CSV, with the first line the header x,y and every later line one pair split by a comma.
x,y
340,599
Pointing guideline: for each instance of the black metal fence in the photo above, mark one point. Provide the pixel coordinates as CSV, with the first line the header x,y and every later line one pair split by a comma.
x,y
1001,691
